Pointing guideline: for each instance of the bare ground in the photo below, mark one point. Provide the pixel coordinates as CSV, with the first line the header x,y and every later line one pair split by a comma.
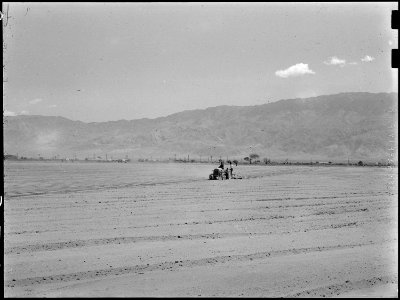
x,y
318,232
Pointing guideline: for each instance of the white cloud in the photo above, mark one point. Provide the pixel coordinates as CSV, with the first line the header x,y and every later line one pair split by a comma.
x,y
8,113
296,70
35,101
367,58
24,112
333,61
353,63
52,106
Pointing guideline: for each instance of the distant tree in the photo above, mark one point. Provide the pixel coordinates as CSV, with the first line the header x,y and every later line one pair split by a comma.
x,y
235,162
267,161
360,163
247,159
254,156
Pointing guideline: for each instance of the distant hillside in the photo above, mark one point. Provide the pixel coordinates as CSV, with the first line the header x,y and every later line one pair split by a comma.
x,y
354,125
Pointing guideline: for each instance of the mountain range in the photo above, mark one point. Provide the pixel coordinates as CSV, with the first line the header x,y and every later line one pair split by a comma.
x,y
356,126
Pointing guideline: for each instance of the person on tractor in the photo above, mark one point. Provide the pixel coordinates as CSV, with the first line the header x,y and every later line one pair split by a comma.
x,y
221,165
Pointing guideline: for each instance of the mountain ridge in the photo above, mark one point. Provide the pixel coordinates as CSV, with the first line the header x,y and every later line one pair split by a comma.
x,y
360,125
215,107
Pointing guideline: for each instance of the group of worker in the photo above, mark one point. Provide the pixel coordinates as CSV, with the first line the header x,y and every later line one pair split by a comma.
x,y
228,171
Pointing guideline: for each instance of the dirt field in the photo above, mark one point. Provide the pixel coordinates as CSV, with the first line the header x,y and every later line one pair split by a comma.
x,y
308,232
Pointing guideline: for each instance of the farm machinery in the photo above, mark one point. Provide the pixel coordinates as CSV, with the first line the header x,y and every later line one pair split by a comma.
x,y
220,174
217,174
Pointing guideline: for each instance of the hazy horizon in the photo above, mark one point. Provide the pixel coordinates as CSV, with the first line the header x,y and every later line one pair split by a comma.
x,y
98,62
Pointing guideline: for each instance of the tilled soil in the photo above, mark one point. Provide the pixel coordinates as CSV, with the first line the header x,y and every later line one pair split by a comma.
x,y
315,232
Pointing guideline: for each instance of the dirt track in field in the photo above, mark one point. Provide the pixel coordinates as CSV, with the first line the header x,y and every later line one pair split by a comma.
x,y
313,232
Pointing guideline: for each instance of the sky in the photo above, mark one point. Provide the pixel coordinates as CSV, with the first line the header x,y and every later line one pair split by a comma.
x,y
97,62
